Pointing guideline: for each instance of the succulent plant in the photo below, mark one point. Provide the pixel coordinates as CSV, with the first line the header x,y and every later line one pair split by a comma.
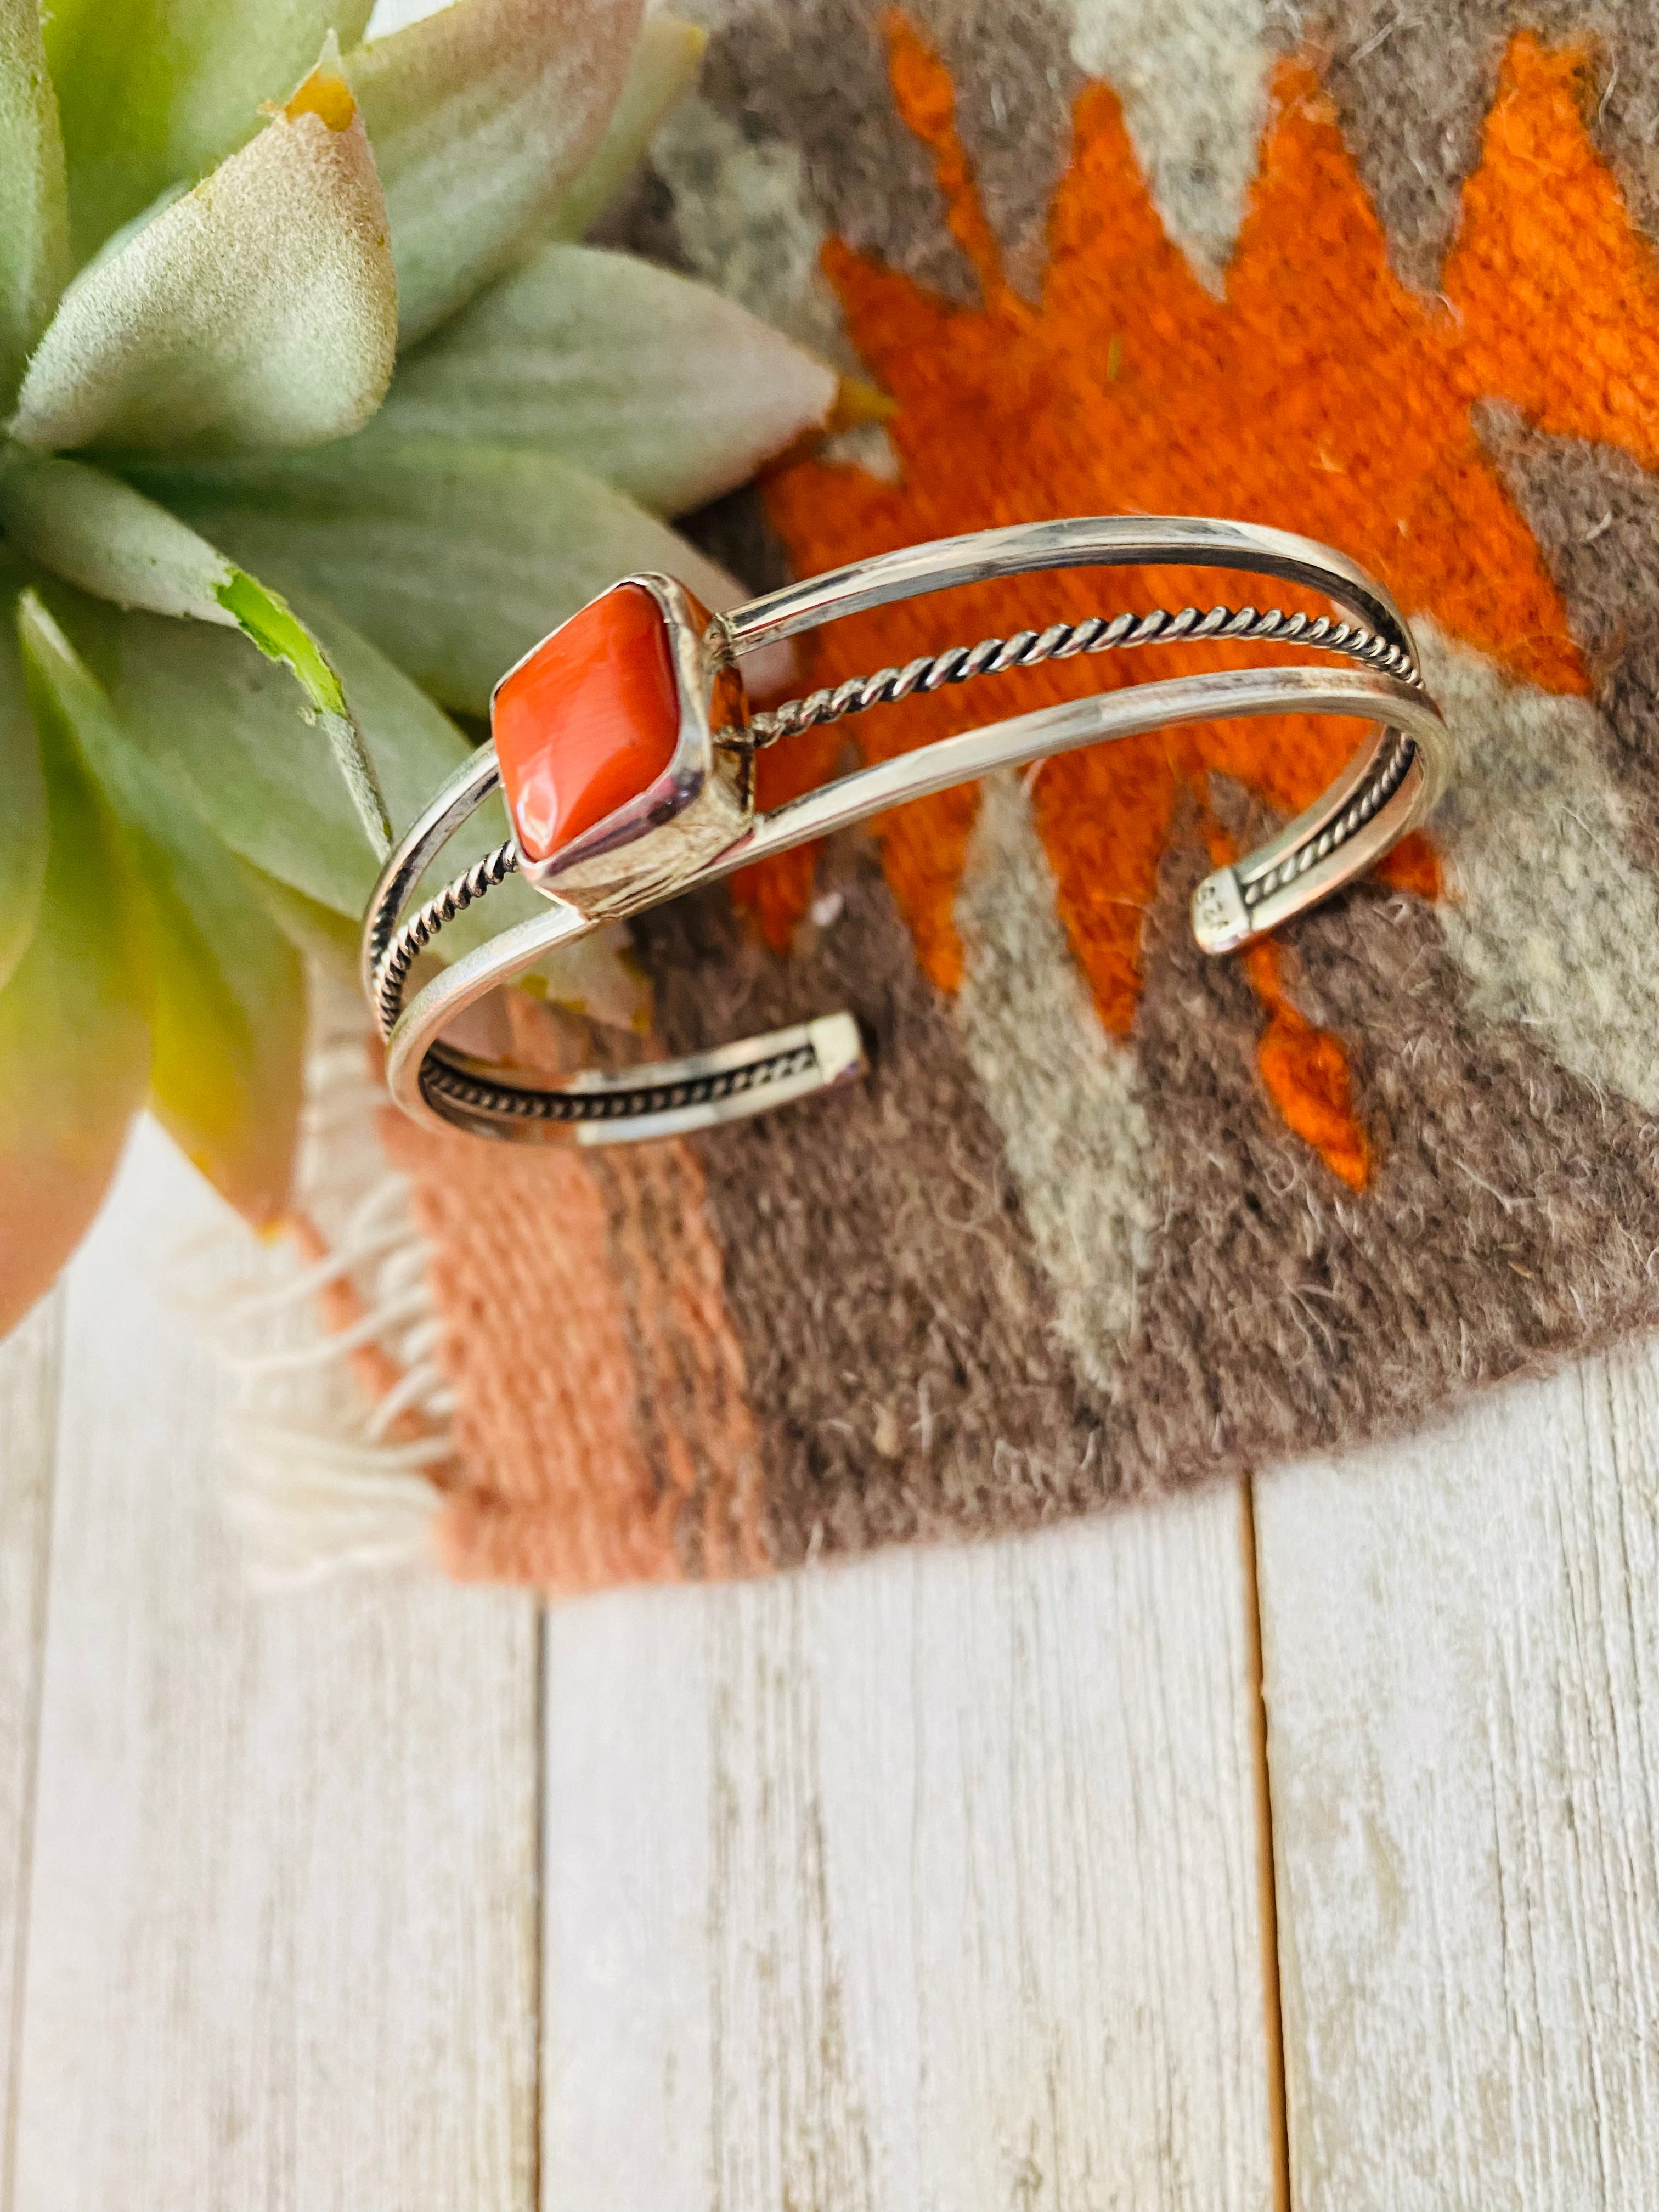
x,y
354,421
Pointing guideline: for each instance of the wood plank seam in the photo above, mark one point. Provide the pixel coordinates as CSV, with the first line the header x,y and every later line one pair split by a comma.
x,y
1273,2003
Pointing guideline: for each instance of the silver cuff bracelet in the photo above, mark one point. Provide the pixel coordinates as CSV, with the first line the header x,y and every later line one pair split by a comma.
x,y
626,750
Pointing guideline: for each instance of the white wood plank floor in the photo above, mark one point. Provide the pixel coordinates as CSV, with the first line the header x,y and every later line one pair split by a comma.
x,y
1462,1646
933,1881
940,1881
279,1925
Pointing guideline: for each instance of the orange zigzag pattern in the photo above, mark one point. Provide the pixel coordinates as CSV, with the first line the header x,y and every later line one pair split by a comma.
x,y
1321,395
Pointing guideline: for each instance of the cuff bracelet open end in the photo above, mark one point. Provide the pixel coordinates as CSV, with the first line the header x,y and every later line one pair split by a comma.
x,y
627,750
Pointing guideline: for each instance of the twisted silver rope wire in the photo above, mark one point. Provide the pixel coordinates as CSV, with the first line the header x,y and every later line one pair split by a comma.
x,y
392,972
991,656
482,1096
1386,778
1029,648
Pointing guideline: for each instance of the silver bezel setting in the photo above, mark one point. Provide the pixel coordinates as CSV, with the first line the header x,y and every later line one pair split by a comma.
x,y
703,800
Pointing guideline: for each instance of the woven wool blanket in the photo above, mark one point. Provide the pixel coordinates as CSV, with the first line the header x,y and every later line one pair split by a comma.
x,y
1108,1217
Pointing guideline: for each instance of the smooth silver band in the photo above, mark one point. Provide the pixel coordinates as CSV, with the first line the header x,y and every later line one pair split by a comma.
x,y
1388,788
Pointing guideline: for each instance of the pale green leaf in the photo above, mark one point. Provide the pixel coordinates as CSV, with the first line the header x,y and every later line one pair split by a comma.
x,y
117,242
658,384
34,212
22,832
155,90
257,311
228,1005
480,116
222,730
226,728
455,559
266,617
74,1038
666,57
327,939
22,794
98,532
87,525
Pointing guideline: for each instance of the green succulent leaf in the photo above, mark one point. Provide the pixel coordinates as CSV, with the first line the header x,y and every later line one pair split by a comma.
x,y
266,617
155,90
666,57
258,311
453,558
34,210
87,525
75,1050
98,532
22,798
226,729
222,732
228,1010
327,939
480,116
658,385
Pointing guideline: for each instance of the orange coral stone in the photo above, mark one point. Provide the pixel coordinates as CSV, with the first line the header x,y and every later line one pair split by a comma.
x,y
588,721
